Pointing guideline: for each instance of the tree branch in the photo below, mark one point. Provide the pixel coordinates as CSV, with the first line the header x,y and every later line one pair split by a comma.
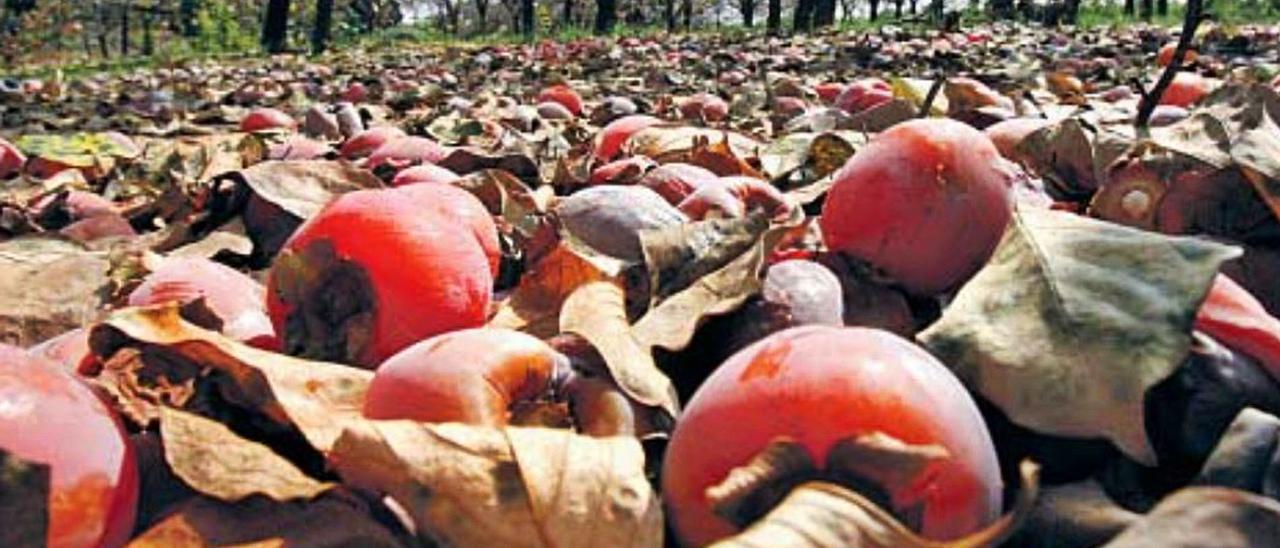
x,y
1195,14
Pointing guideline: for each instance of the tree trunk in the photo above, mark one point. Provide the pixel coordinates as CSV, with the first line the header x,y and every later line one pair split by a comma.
x,y
913,7
1002,9
566,14
824,13
1071,11
875,9
1147,8
748,9
526,18
669,14
275,28
320,27
187,10
148,42
687,6
606,16
1162,7
897,9
482,16
1128,7
802,20
124,27
774,19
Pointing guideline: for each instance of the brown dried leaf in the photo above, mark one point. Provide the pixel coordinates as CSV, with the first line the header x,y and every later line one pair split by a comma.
x,y
47,287
213,460
675,143
473,486
312,396
679,255
597,311
534,305
301,188
24,501
258,521
1206,516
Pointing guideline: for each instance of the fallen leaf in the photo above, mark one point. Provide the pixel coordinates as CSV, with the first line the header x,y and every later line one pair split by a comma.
x,y
1206,516
49,286
259,521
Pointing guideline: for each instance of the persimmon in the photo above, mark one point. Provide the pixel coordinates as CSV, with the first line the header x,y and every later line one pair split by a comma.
x,y
820,385
1007,135
1186,89
236,299
11,159
376,271
609,218
926,202
464,210
51,418
828,91
356,92
551,110
1234,317
676,181
863,95
789,106
621,172
402,152
608,143
734,196
69,350
425,173
267,119
1165,55
364,143
565,96
704,106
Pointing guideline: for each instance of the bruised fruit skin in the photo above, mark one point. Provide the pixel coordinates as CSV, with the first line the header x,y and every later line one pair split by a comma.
x,y
403,152
1186,89
819,385
565,96
925,201
236,299
609,141
373,273
425,173
364,143
266,119
675,182
472,376
11,159
51,418
863,95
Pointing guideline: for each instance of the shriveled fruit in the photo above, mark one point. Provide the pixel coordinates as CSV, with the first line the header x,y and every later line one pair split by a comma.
x,y
267,119
565,96
675,182
609,218
235,299
818,386
364,143
1186,89
11,159
471,376
374,272
425,173
925,201
51,418
608,143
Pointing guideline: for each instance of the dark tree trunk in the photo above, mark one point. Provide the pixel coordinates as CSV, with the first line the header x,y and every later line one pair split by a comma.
x,y
1002,9
687,7
566,14
913,7
802,20
321,26
148,42
824,13
187,10
1162,7
748,9
482,16
1128,7
606,16
1147,8
124,27
275,28
526,18
773,21
669,14
875,9
897,9
937,10
1071,11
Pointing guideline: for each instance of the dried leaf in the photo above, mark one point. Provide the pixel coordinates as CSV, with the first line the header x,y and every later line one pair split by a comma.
x,y
472,486
534,305
679,255
1073,320
1206,516
301,188
47,287
213,460
258,521
1247,456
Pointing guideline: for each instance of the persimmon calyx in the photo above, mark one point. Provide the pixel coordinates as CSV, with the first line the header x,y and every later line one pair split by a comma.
x,y
331,303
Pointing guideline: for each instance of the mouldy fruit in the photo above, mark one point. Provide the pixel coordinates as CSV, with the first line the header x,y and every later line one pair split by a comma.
x,y
51,418
926,202
234,298
364,143
609,218
11,159
733,197
608,143
564,95
267,119
375,271
822,387
796,292
1186,89
675,182
425,173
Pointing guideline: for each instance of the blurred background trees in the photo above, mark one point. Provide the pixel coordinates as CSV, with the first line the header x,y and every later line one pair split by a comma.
x,y
52,31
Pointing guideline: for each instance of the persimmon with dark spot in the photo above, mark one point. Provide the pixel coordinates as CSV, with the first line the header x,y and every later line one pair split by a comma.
x,y
925,202
49,417
819,386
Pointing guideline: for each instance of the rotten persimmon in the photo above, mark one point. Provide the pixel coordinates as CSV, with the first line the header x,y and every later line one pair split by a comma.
x,y
378,270
819,386
926,202
51,418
